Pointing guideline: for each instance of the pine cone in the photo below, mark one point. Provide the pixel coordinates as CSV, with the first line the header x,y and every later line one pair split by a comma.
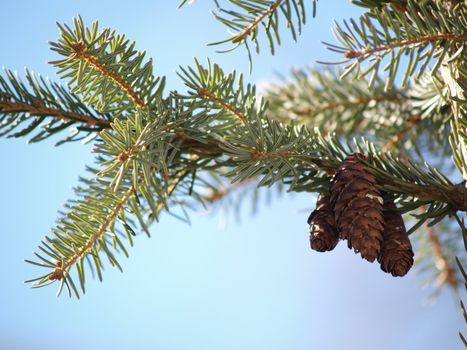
x,y
323,232
357,205
396,255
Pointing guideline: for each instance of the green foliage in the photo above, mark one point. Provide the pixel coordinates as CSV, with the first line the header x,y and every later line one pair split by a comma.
x,y
220,140
141,156
45,108
345,106
217,92
105,69
424,32
247,17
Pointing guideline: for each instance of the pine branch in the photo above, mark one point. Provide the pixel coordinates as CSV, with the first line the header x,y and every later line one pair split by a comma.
x,y
411,122
221,192
447,273
462,271
38,109
455,79
321,99
44,105
223,94
346,107
61,268
254,24
106,69
90,230
277,152
156,151
425,32
81,53
399,5
251,15
139,158
408,42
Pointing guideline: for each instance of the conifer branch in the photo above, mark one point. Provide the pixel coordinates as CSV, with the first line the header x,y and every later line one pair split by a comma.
x,y
80,53
39,109
284,155
105,69
218,194
411,122
157,152
332,107
49,107
252,26
455,78
320,99
463,272
406,43
447,273
204,93
425,32
251,15
59,271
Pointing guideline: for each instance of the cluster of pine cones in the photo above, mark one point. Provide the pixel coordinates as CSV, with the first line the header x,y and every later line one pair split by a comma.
x,y
354,210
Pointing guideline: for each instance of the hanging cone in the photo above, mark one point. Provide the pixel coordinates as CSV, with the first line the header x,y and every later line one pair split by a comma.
x,y
396,255
357,205
323,232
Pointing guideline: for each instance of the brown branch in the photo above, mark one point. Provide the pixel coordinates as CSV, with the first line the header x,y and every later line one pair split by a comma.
x,y
412,121
248,30
39,109
427,38
218,194
447,273
82,54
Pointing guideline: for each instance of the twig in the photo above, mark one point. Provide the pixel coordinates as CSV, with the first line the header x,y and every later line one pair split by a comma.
x,y
82,54
39,109
447,273
427,38
58,273
248,30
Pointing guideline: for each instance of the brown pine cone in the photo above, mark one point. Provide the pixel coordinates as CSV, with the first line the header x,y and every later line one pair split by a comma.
x,y
396,255
357,205
323,232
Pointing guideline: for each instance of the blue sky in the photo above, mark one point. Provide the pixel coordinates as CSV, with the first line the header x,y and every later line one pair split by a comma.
x,y
253,284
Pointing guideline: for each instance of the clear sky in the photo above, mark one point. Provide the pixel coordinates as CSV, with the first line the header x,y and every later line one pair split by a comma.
x,y
253,284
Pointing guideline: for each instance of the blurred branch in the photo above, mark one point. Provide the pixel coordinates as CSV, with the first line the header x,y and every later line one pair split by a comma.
x,y
220,193
447,273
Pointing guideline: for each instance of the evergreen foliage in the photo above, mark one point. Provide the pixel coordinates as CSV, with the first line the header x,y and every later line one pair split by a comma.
x,y
166,151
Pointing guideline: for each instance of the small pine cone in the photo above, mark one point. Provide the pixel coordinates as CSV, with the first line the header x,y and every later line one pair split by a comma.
x,y
357,205
396,255
323,232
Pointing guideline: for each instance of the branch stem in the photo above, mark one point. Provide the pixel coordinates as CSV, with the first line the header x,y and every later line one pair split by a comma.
x,y
62,267
333,106
447,272
39,109
206,94
424,39
82,54
248,30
